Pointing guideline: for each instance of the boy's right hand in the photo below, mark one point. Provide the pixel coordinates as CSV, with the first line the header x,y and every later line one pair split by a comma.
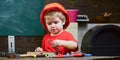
x,y
38,49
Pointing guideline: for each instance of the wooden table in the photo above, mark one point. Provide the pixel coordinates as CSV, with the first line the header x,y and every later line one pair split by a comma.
x,y
70,58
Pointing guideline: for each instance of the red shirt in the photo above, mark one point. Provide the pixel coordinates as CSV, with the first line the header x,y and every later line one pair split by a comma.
x,y
62,36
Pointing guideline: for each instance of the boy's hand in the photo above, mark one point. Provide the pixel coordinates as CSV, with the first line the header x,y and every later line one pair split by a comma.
x,y
38,49
56,43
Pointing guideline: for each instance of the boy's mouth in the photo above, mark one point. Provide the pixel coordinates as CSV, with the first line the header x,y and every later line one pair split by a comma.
x,y
53,30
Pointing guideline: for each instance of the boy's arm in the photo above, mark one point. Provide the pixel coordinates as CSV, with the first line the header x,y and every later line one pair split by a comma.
x,y
72,45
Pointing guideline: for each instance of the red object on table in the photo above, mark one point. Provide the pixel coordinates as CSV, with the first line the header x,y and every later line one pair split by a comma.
x,y
77,55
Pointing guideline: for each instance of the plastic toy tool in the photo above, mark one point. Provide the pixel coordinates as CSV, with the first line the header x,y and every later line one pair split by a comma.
x,y
71,55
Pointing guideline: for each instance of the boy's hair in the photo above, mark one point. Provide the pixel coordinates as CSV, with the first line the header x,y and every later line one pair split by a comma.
x,y
54,14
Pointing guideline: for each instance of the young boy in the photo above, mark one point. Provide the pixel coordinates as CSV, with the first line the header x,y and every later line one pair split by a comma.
x,y
55,20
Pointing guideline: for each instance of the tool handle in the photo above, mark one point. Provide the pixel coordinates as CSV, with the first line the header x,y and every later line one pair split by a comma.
x,y
78,55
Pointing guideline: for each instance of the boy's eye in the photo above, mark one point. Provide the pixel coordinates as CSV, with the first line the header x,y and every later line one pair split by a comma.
x,y
49,23
55,22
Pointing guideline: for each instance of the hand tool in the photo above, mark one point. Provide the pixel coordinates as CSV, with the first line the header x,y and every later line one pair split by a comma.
x,y
25,55
70,55
31,54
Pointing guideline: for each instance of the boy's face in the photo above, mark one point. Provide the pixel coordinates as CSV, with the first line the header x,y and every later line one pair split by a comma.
x,y
54,25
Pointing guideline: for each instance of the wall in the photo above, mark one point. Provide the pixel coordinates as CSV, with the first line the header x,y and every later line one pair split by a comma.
x,y
94,8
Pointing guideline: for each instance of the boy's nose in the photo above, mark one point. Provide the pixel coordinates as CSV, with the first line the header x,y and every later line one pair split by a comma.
x,y
52,25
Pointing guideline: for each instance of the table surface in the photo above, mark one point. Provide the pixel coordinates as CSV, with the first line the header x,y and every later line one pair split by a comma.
x,y
70,58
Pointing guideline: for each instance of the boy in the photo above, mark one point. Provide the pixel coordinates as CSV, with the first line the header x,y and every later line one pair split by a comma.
x,y
55,20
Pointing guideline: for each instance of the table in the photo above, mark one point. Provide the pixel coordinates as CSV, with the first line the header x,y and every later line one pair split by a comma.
x,y
70,58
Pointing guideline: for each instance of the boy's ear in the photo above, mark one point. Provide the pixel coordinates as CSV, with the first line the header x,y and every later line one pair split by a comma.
x,y
64,22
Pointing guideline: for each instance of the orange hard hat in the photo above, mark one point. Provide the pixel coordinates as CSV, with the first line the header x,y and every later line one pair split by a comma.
x,y
54,7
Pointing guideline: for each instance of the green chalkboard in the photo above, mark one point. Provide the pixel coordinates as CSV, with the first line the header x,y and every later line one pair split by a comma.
x,y
21,17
